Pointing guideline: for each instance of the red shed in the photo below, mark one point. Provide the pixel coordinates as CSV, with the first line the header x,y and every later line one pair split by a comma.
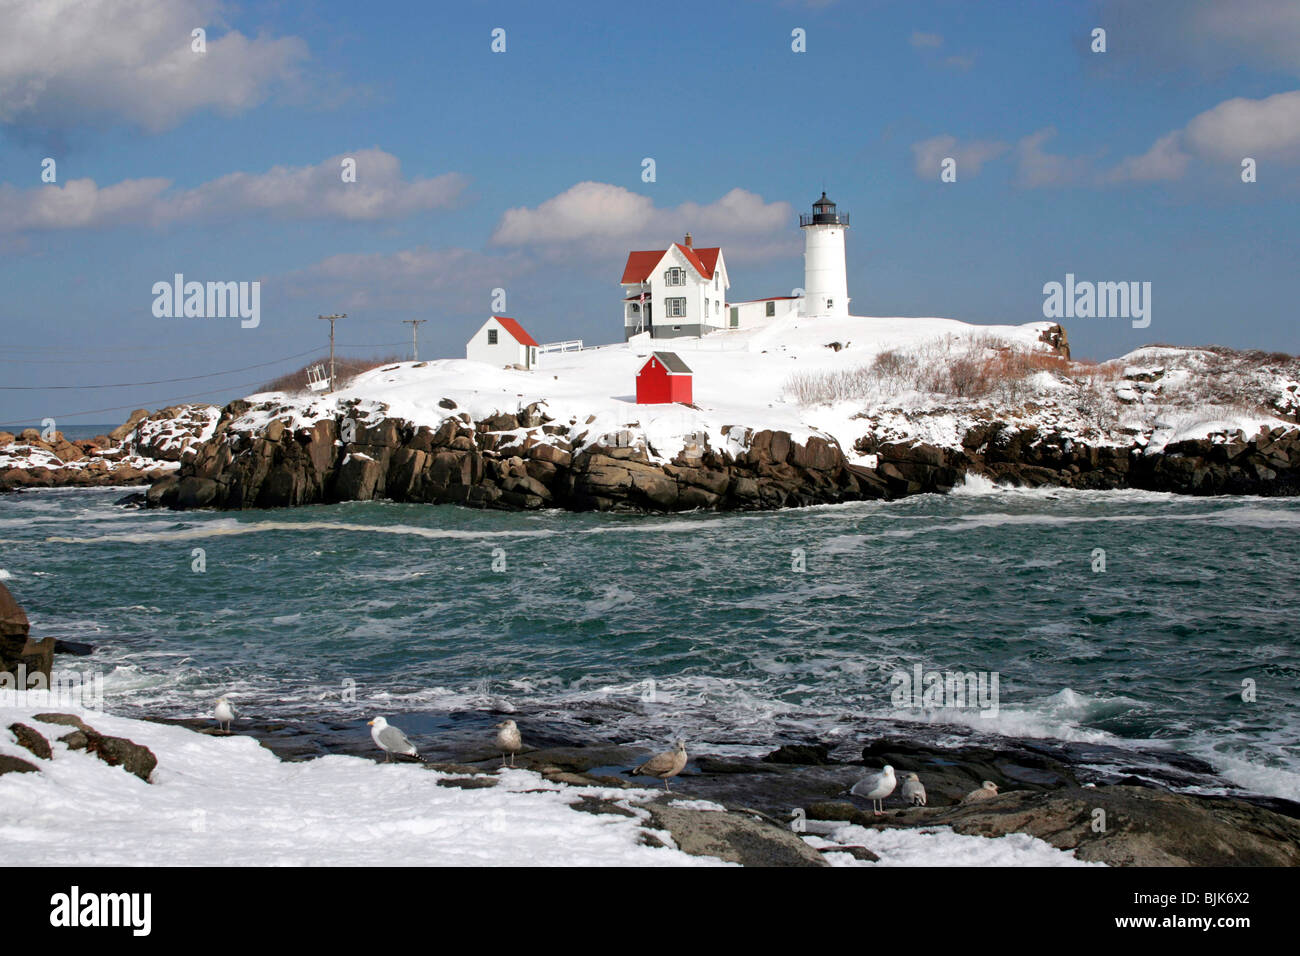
x,y
663,379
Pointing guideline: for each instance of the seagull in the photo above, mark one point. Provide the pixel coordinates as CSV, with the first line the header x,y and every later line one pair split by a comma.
x,y
875,787
508,740
987,791
914,790
665,765
225,713
391,740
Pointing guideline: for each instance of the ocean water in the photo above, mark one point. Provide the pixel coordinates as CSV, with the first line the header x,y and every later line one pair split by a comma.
x,y
738,632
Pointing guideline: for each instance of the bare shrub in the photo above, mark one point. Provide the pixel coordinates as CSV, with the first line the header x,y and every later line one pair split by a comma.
x,y
344,369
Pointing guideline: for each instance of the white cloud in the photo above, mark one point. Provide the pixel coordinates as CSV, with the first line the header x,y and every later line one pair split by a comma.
x,y
592,214
1037,167
970,156
1268,128
1264,129
1164,160
284,192
71,62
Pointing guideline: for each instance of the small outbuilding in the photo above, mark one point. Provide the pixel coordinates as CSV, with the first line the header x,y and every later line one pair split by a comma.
x,y
502,341
663,379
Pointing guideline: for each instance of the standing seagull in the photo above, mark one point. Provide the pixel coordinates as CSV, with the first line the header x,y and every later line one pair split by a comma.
x,y
391,740
665,765
987,791
875,787
508,740
225,713
914,790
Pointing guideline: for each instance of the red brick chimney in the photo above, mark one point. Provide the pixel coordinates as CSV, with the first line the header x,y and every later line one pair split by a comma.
x,y
688,241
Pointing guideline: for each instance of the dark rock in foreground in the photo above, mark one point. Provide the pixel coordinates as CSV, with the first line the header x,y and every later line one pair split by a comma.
x,y
19,652
1127,826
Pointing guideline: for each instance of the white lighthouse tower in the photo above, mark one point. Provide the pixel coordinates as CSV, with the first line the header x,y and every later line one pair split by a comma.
x,y
825,282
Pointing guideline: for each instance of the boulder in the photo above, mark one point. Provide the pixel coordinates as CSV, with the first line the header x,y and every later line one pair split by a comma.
x,y
1143,826
195,492
32,740
121,431
735,837
16,765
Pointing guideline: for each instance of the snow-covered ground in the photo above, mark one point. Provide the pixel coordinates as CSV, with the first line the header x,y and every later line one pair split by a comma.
x,y
751,378
229,801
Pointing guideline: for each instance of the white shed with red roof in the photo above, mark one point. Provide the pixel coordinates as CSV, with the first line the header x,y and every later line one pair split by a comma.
x,y
501,340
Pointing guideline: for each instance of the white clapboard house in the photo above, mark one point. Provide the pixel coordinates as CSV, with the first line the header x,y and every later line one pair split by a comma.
x,y
502,341
673,292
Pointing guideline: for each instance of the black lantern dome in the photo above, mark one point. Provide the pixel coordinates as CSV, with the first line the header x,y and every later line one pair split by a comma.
x,y
824,213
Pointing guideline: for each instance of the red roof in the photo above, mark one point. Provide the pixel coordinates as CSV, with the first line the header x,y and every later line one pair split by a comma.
x,y
641,264
516,331
708,258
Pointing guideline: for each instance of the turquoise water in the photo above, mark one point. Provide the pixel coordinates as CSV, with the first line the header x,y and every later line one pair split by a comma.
x,y
583,612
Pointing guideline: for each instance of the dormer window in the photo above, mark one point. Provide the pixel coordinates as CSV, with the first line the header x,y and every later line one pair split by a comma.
x,y
675,276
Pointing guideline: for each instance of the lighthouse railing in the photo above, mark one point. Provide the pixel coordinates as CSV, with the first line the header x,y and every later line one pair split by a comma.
x,y
824,219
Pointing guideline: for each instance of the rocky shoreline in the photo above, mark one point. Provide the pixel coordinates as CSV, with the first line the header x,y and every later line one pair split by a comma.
x,y
141,451
761,804
529,461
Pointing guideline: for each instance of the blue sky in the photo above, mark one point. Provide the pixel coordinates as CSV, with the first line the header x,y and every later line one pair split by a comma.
x,y
522,170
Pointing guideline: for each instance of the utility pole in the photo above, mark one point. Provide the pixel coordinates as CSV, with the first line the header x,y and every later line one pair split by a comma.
x,y
415,337
331,319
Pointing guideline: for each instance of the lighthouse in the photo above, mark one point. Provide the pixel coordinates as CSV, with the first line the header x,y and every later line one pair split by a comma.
x,y
825,283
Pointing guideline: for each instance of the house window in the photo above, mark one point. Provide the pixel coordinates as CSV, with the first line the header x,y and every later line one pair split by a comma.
x,y
771,309
715,280
492,336
676,307
532,357
675,276
735,317
830,303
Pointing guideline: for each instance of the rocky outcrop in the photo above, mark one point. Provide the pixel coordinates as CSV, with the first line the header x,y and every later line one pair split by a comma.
x,y
1127,826
1266,463
142,450
527,461
115,751
734,837
21,657
521,461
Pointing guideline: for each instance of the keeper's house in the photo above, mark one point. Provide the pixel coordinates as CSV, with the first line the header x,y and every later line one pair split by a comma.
x,y
674,292
502,341
663,379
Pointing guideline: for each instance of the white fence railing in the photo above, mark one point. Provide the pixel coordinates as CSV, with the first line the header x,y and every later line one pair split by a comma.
x,y
572,345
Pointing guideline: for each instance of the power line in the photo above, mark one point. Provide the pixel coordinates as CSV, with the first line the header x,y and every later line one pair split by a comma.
x,y
163,403
161,381
157,403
